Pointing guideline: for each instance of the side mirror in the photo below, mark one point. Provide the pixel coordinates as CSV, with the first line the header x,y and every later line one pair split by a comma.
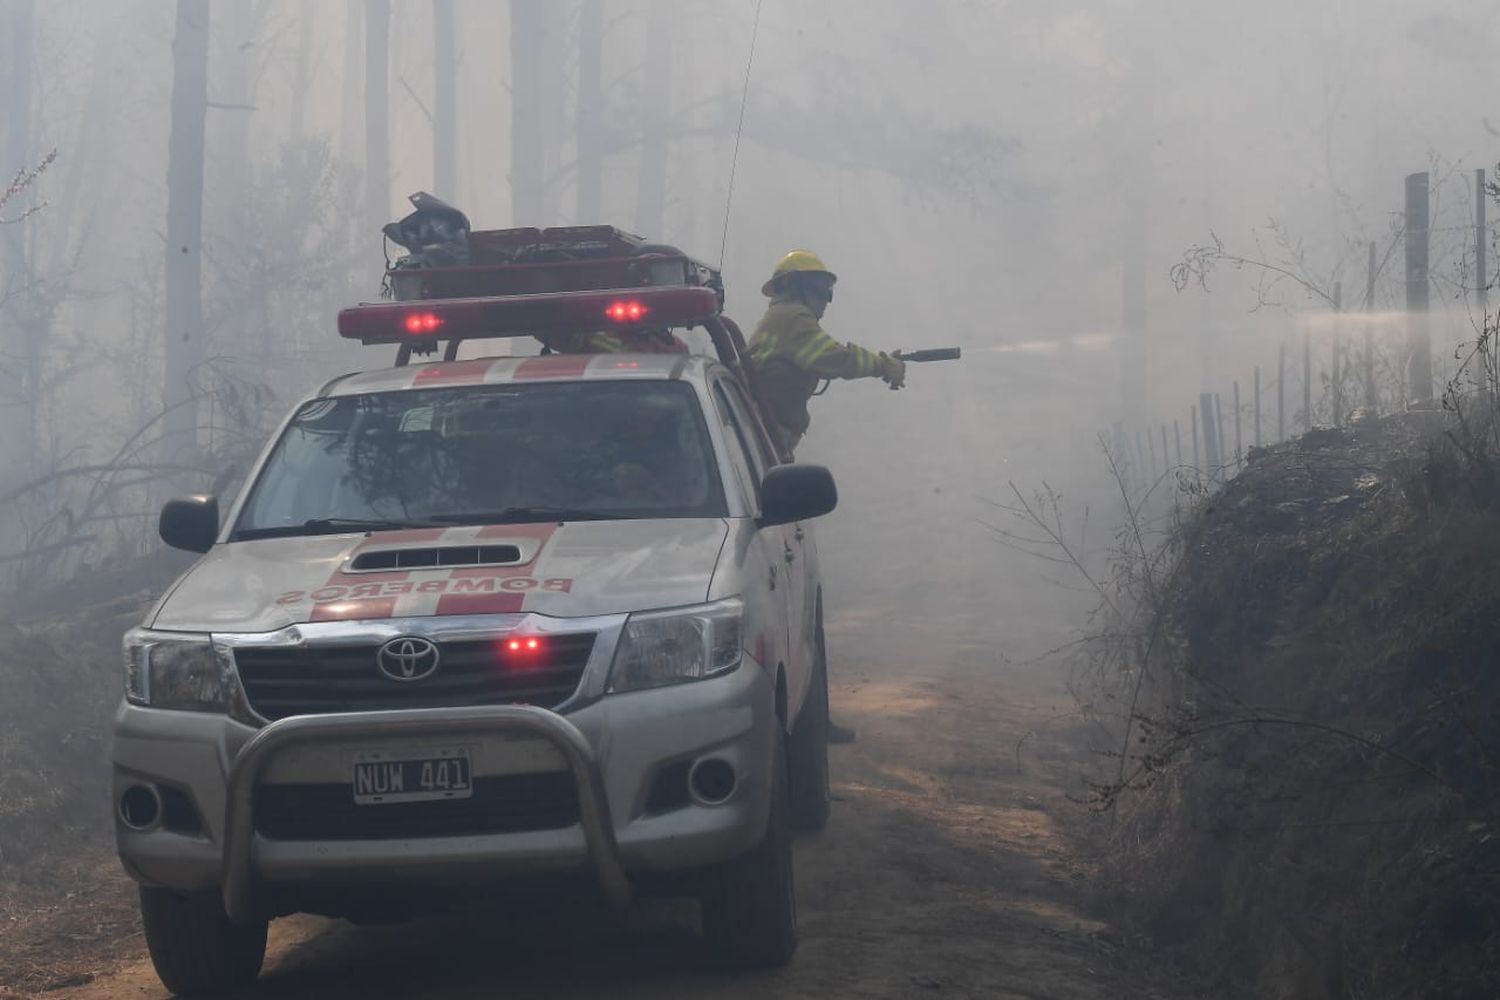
x,y
796,493
191,523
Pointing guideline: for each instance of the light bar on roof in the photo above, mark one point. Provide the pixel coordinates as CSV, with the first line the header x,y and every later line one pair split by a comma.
x,y
522,315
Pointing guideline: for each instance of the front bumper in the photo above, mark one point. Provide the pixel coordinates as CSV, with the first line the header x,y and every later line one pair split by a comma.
x,y
615,749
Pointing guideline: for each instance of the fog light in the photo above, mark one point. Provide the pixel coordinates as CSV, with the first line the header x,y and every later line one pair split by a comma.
x,y
712,781
140,807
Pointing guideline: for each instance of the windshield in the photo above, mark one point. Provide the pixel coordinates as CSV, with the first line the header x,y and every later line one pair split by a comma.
x,y
485,454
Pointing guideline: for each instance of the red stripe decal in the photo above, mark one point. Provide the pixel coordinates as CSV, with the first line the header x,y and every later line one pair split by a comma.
x,y
339,611
479,604
554,366
454,371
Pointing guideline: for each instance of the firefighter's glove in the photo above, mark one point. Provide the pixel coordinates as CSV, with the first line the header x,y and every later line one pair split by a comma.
x,y
892,371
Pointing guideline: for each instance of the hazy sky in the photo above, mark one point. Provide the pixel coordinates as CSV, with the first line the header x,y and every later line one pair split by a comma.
x,y
967,167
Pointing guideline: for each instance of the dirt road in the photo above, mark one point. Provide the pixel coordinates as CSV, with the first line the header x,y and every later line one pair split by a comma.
x,y
943,873
947,869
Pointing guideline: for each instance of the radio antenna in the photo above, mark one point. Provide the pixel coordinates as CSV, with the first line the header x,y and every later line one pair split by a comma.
x,y
735,161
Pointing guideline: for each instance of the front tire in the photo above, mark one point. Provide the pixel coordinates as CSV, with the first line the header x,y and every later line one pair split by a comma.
x,y
810,797
195,947
750,904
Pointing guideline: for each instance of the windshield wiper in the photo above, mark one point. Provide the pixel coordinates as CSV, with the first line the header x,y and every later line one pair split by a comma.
x,y
520,515
328,526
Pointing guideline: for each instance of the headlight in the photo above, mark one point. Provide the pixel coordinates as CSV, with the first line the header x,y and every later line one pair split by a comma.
x,y
166,670
685,644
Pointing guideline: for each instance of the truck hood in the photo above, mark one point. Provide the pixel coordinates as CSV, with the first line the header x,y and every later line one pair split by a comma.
x,y
565,570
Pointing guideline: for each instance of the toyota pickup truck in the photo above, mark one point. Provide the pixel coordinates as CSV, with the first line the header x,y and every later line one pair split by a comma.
x,y
474,625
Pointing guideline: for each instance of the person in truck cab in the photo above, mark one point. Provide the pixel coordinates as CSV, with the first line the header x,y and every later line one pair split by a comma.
x,y
630,341
792,353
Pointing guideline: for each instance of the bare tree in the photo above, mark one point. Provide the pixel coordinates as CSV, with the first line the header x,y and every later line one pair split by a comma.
x,y
445,100
528,27
302,76
184,345
590,111
656,118
377,114
349,97
16,347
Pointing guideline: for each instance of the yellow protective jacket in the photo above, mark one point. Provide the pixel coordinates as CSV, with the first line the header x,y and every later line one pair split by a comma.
x,y
792,353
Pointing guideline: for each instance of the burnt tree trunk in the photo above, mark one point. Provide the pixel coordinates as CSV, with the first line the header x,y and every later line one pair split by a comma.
x,y
656,120
528,24
17,339
377,114
349,97
590,115
445,101
184,346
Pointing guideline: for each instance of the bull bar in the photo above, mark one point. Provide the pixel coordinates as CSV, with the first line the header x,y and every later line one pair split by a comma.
x,y
239,888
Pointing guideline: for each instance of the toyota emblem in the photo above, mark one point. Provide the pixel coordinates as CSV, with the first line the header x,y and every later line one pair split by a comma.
x,y
407,658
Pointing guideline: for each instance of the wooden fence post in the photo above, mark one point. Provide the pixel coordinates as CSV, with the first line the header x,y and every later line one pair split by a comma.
x,y
1210,441
1281,392
1257,406
1196,466
1239,450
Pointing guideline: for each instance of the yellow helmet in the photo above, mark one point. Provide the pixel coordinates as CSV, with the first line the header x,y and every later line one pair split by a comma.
x,y
795,261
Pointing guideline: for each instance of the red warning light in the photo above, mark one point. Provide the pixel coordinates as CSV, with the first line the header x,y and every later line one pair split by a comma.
x,y
523,645
625,311
420,323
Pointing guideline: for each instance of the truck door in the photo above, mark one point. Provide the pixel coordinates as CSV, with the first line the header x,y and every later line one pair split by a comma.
x,y
783,545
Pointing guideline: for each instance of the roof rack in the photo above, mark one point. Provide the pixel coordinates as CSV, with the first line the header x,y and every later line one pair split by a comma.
x,y
523,282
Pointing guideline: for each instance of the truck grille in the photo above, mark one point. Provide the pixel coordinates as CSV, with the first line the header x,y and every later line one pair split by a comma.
x,y
511,804
315,680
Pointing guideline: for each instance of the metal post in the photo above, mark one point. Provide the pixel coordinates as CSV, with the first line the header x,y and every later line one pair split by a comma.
x,y
1336,378
1371,399
1418,333
1306,382
1219,421
1281,392
1257,406
1338,385
1196,466
1166,458
1239,450
1177,433
1210,441
1151,447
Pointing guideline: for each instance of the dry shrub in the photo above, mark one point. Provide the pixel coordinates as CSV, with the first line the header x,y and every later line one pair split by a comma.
x,y
62,680
1308,803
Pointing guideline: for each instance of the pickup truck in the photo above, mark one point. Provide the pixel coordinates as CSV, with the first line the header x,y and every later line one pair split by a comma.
x,y
478,626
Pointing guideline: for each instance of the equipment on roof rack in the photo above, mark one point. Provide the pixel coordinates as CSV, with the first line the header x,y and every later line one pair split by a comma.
x,y
436,234
457,285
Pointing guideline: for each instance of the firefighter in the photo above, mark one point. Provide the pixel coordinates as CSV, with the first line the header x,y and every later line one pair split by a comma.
x,y
792,353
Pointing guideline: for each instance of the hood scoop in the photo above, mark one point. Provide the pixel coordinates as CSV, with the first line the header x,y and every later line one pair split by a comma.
x,y
371,560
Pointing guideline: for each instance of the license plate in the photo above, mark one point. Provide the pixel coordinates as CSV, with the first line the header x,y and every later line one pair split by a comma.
x,y
382,777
